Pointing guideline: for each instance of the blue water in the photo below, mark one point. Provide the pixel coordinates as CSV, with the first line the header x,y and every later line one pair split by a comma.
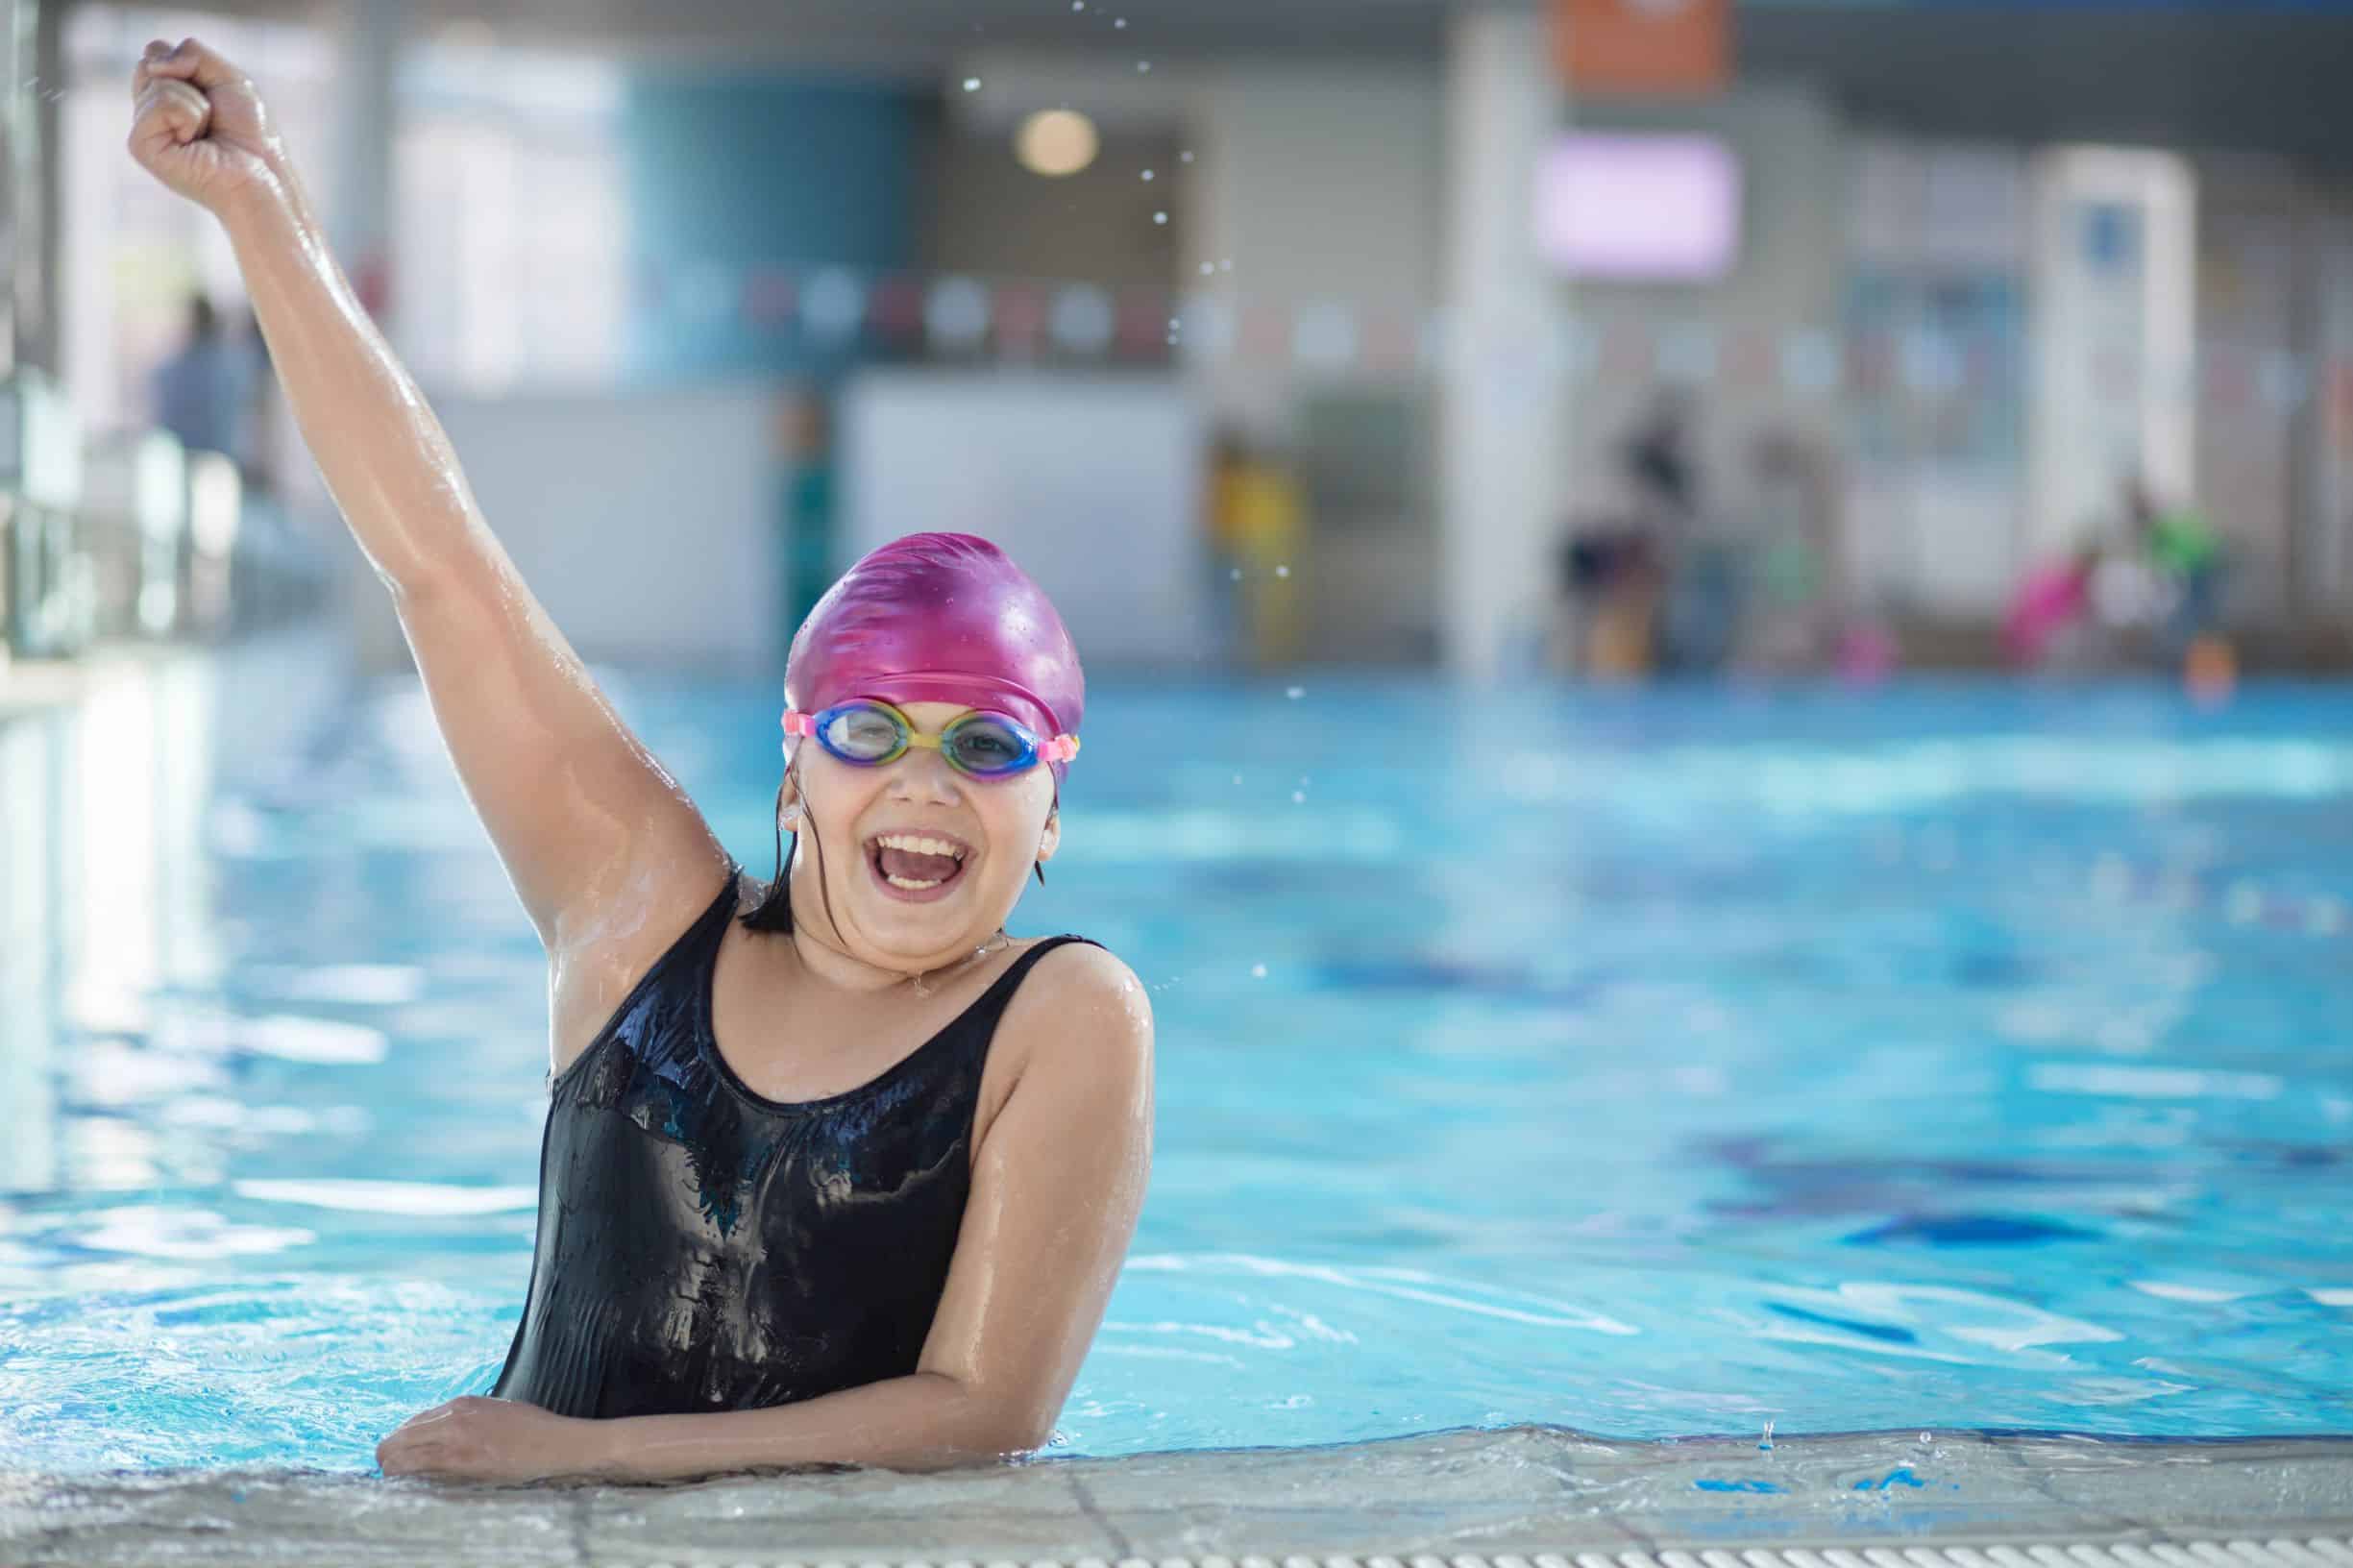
x,y
1652,1063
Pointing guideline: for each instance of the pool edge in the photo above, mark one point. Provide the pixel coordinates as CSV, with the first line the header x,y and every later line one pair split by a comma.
x,y
1520,1497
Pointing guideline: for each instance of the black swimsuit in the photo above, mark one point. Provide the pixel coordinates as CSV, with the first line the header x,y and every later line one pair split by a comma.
x,y
704,1248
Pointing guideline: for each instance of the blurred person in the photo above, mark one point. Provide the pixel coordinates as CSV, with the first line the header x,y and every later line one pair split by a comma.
x,y
204,391
2051,610
1258,523
1615,575
260,458
950,1127
806,435
1222,546
1664,476
1703,605
1795,601
2183,547
1612,583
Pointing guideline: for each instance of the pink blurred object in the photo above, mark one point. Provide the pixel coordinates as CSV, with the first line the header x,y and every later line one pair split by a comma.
x,y
2044,604
1867,654
1637,207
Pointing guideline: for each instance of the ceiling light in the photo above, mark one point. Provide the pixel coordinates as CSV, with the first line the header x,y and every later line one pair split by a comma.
x,y
1055,142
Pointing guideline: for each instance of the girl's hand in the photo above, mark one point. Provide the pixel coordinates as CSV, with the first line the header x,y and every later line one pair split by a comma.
x,y
473,1438
198,125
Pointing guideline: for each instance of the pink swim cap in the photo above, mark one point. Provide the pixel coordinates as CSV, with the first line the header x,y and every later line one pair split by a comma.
x,y
940,617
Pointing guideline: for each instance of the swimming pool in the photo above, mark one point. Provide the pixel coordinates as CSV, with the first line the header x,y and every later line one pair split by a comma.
x,y
1954,1056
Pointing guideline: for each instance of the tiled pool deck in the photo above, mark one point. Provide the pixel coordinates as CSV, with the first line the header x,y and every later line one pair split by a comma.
x,y
1516,1497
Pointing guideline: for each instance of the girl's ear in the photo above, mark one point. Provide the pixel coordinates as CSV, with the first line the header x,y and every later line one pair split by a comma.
x,y
788,803
1050,840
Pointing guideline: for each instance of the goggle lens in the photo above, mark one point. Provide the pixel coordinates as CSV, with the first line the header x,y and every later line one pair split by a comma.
x,y
981,745
986,745
858,733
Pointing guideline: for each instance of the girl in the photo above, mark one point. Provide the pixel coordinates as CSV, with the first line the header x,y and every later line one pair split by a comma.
x,y
835,1170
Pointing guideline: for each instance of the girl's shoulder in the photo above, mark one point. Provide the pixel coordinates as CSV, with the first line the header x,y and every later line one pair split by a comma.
x,y
1079,989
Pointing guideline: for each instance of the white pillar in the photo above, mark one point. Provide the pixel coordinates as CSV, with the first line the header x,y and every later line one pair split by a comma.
x,y
367,36
16,123
2111,295
1504,403
32,55
353,190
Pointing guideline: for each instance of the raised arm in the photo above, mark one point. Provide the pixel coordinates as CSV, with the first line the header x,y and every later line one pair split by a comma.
x,y
600,843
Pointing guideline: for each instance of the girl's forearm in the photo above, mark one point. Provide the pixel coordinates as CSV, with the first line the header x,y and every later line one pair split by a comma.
x,y
919,1422
386,461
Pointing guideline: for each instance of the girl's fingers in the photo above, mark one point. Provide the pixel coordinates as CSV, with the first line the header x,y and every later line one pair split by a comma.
x,y
181,104
197,63
148,71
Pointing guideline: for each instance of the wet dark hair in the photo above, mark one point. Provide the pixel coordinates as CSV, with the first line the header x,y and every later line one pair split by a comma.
x,y
775,910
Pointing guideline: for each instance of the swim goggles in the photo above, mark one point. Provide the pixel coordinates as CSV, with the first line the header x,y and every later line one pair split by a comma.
x,y
866,732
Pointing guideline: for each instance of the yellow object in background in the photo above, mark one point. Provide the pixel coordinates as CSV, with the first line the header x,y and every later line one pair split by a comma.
x,y
1260,519
1619,646
2211,669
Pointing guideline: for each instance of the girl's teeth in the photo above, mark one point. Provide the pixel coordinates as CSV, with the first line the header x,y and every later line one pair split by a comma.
x,y
911,887
921,846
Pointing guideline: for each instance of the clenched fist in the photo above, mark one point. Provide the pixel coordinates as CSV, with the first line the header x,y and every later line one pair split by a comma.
x,y
198,125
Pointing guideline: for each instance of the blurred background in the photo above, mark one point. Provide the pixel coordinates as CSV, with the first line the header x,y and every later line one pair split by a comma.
x,y
1717,634
1587,337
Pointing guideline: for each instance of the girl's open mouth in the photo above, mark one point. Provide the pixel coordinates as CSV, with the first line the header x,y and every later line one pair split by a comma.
x,y
917,867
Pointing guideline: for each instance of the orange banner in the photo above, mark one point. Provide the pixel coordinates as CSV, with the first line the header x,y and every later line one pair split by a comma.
x,y
1639,48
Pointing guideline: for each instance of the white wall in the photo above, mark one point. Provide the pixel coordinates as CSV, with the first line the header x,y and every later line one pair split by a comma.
x,y
1092,483
645,521
1316,182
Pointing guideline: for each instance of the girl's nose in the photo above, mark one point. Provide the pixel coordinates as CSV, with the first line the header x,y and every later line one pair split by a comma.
x,y
924,774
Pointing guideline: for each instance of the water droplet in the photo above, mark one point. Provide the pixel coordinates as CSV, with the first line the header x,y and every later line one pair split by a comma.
x,y
1078,4
1186,157
972,83
1238,779
1160,217
1283,571
1208,267
1225,263
1258,972
1143,65
1172,324
1295,693
1120,21
1237,574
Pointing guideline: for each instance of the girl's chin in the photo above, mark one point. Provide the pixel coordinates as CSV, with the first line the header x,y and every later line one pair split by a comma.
x,y
926,917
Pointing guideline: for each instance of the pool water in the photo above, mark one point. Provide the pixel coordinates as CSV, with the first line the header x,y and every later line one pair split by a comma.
x,y
1953,1055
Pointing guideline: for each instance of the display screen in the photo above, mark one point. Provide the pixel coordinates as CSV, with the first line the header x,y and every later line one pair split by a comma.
x,y
1638,208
